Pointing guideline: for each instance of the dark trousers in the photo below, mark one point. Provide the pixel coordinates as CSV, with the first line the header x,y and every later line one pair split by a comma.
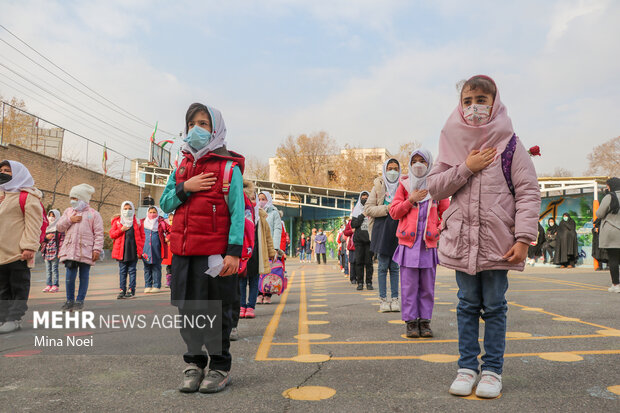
x,y
363,259
352,271
548,250
14,290
318,258
614,264
124,268
190,288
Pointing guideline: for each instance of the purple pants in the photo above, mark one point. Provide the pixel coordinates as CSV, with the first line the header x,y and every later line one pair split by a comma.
x,y
417,292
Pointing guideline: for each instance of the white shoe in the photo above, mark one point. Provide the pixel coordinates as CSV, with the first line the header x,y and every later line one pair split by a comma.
x,y
614,288
10,326
154,290
147,290
490,385
395,305
384,306
464,383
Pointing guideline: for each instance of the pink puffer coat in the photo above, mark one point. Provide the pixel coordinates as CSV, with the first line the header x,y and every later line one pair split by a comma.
x,y
81,238
484,219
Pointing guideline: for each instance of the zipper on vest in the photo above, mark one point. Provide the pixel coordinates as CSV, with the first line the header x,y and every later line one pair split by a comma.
x,y
214,210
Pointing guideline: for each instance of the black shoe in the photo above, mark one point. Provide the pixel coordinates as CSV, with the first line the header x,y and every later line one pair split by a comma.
x,y
360,287
425,328
121,295
413,329
130,294
353,282
369,287
78,306
67,306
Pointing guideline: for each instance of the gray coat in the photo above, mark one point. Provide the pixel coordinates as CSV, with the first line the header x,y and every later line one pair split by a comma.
x,y
609,233
275,225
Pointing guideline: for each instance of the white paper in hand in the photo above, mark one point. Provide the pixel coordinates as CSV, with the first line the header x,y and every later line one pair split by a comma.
x,y
216,263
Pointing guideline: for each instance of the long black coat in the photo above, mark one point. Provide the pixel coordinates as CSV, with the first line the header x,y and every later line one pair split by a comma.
x,y
535,251
566,242
600,254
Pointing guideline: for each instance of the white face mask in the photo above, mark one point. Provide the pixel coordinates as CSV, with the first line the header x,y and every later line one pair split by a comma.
x,y
78,204
476,115
392,175
127,213
51,219
419,169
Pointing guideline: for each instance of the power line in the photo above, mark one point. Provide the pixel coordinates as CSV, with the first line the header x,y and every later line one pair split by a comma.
x,y
137,119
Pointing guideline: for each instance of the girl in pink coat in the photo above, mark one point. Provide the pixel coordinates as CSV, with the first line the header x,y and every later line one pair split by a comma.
x,y
486,231
417,233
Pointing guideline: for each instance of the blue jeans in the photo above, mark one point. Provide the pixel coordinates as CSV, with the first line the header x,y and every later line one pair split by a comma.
x,y
344,261
248,301
483,294
302,255
152,275
123,269
51,269
387,263
72,273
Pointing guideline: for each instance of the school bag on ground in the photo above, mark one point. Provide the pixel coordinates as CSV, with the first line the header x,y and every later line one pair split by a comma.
x,y
22,204
249,226
275,282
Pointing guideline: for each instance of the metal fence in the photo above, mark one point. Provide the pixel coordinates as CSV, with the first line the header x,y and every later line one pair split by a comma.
x,y
21,128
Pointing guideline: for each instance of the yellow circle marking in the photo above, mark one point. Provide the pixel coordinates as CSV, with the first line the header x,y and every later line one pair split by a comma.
x,y
609,332
614,389
317,312
453,310
311,358
318,299
516,334
531,309
316,322
565,319
317,305
474,397
560,356
309,393
443,302
311,336
369,295
439,358
396,322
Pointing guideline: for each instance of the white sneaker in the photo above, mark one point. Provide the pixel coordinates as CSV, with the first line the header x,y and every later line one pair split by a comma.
x,y
10,326
464,383
384,306
155,290
490,385
614,288
147,290
395,305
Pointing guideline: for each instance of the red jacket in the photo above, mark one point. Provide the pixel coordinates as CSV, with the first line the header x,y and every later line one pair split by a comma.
x,y
284,240
407,213
348,232
202,222
163,231
118,235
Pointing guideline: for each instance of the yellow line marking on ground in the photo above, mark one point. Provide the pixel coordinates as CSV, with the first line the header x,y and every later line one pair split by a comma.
x,y
262,354
554,281
454,340
303,345
614,389
559,315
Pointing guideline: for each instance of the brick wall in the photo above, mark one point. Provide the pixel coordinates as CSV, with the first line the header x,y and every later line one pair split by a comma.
x,y
44,171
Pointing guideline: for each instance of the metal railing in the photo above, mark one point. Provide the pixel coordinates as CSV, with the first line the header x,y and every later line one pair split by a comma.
x,y
24,129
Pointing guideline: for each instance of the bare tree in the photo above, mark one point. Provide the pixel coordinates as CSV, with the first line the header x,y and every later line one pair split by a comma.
x,y
108,186
256,168
304,159
404,152
356,170
605,159
62,169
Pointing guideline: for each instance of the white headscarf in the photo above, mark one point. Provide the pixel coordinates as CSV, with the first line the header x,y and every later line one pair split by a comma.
x,y
152,224
52,226
359,208
269,200
415,182
390,187
21,178
218,133
128,222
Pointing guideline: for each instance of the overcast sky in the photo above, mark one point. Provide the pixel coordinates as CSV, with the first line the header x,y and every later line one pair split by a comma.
x,y
370,73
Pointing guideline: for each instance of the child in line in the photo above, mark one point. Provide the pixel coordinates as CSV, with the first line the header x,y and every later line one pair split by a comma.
x,y
382,229
83,228
167,260
492,219
208,228
49,250
418,233
321,248
265,202
348,233
128,245
155,233
361,239
20,231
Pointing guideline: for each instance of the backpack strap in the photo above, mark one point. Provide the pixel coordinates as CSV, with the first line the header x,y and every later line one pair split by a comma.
x,y
507,156
22,201
229,168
